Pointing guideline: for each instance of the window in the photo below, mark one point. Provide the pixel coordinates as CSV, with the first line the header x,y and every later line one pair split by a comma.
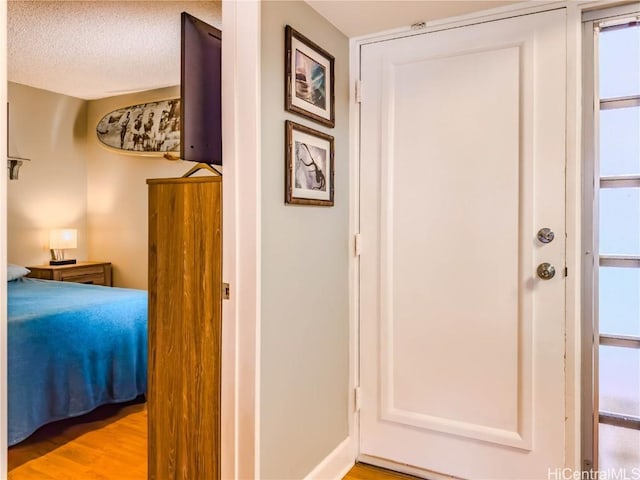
x,y
612,196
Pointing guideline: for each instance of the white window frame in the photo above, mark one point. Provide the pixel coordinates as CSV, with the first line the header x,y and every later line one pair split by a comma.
x,y
592,22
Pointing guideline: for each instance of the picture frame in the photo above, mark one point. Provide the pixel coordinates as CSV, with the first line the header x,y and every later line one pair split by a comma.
x,y
309,166
309,79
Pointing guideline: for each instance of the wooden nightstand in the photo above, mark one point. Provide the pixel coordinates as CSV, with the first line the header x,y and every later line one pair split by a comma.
x,y
96,273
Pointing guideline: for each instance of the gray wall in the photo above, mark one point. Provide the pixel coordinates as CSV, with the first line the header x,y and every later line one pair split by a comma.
x,y
305,335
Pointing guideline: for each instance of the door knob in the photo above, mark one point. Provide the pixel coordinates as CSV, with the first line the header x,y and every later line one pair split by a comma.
x,y
546,271
546,235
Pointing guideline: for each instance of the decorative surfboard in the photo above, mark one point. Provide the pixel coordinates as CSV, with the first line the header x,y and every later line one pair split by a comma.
x,y
145,128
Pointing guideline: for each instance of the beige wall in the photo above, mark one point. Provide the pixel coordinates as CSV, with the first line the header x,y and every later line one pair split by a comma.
x,y
304,326
117,193
73,181
49,129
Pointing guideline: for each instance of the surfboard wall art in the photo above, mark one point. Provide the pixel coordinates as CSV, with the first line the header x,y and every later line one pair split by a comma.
x,y
145,128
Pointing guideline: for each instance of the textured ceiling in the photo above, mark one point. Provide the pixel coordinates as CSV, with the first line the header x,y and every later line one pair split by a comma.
x,y
95,49
361,17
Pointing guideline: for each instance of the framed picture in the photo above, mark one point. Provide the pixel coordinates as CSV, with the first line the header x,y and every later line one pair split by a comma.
x,y
308,166
308,79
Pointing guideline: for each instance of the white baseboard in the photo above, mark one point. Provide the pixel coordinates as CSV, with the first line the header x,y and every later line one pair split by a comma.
x,y
336,465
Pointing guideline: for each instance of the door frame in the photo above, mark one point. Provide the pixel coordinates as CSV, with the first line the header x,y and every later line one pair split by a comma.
x,y
3,245
241,241
573,192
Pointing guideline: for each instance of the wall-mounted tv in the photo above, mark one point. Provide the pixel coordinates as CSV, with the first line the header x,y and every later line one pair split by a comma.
x,y
201,92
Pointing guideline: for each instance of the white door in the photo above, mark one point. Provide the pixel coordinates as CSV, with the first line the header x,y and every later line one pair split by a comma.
x,y
462,162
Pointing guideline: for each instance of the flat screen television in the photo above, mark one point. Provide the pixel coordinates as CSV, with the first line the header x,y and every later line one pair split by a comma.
x,y
201,92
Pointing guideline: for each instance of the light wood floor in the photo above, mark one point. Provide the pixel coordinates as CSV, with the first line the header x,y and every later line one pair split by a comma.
x,y
366,472
110,443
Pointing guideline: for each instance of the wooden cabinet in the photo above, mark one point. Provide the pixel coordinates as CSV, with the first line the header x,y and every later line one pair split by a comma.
x,y
96,273
185,309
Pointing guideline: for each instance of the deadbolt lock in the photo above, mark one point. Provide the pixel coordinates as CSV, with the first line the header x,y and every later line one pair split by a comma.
x,y
545,235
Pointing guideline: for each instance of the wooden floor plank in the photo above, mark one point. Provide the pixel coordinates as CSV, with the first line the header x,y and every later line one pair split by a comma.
x,y
362,471
109,443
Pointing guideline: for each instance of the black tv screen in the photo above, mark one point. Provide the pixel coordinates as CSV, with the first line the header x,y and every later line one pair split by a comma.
x,y
201,92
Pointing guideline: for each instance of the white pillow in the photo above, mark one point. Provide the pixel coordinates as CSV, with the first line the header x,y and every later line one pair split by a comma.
x,y
15,272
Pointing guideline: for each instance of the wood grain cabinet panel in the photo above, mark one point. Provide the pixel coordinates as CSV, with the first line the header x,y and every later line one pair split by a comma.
x,y
185,310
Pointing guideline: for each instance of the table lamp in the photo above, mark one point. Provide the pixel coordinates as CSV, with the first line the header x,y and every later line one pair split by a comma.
x,y
59,240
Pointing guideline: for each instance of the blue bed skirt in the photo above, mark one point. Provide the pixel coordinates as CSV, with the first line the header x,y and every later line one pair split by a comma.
x,y
72,347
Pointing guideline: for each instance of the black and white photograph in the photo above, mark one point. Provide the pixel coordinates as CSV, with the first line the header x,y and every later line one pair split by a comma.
x,y
146,128
308,166
308,79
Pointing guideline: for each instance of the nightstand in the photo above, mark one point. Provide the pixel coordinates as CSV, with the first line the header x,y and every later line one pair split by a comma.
x,y
96,273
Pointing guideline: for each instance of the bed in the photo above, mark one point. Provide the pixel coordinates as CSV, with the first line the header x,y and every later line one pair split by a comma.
x,y
72,347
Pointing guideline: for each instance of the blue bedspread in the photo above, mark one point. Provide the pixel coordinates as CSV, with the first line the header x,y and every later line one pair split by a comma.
x,y
72,347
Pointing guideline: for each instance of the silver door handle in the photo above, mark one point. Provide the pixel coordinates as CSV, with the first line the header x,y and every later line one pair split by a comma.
x,y
546,271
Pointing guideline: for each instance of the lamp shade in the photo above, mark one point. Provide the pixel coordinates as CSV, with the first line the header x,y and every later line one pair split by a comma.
x,y
63,238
